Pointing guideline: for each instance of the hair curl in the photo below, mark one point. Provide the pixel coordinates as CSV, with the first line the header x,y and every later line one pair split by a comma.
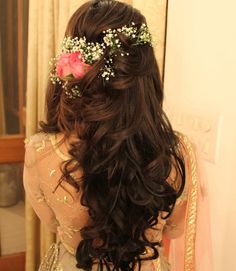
x,y
126,148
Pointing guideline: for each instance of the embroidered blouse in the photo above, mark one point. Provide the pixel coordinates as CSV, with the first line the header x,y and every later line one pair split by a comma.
x,y
60,209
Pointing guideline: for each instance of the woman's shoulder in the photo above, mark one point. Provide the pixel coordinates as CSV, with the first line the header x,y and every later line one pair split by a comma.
x,y
187,148
48,143
185,145
37,140
189,155
183,138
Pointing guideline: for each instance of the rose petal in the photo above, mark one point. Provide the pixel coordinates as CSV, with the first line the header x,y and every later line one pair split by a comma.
x,y
71,64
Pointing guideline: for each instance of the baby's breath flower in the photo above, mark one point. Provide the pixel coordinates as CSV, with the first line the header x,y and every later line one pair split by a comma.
x,y
90,52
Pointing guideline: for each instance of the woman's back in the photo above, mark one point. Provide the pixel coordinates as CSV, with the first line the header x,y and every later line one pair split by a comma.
x,y
108,190
59,206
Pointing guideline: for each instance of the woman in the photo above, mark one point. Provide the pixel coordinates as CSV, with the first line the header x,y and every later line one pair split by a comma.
x,y
107,173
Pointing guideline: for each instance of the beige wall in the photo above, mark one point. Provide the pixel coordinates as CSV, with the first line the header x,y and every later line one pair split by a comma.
x,y
200,75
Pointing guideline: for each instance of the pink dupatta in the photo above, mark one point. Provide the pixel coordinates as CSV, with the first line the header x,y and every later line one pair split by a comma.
x,y
192,250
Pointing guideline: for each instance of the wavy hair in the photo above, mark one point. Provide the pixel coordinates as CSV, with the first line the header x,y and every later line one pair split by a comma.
x,y
126,144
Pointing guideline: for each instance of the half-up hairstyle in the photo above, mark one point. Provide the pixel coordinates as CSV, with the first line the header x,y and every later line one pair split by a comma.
x,y
126,145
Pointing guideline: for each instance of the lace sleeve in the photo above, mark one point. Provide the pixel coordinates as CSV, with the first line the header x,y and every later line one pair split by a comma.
x,y
34,193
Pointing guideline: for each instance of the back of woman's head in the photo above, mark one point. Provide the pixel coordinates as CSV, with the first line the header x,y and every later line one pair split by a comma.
x,y
126,145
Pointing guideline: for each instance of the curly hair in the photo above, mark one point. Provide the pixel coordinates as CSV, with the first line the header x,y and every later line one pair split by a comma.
x,y
126,144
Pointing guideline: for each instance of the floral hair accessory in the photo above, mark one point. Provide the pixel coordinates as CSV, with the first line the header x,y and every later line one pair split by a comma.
x,y
77,54
71,65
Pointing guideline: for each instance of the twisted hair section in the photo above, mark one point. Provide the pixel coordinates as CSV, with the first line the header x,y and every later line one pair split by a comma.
x,y
126,145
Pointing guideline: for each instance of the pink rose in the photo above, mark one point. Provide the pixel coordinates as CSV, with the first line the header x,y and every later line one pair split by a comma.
x,y
71,64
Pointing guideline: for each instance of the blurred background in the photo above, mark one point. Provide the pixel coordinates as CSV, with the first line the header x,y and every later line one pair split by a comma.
x,y
13,73
195,45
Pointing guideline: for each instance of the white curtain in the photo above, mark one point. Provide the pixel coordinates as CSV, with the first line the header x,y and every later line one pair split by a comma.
x,y
2,110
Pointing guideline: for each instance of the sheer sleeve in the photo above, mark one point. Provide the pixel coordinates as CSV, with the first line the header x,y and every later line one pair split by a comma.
x,y
34,193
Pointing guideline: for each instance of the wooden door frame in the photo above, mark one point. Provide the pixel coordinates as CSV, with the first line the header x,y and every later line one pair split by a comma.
x,y
13,262
11,149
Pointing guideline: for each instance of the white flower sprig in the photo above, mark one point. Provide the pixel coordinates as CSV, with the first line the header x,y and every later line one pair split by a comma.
x,y
107,71
73,93
90,52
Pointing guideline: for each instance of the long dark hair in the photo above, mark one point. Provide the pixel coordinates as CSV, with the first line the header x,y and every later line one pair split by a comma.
x,y
126,145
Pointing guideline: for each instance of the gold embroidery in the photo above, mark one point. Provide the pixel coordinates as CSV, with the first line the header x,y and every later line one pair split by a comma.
x,y
40,146
52,172
51,259
40,199
157,264
69,231
189,254
65,200
26,141
162,262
